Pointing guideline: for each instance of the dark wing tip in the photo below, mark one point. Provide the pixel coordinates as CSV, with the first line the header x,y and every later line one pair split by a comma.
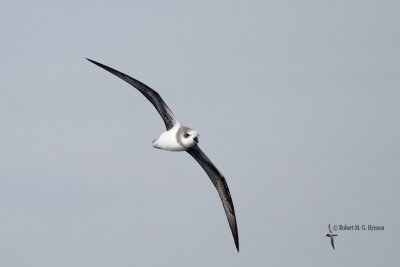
x,y
100,65
236,237
90,60
135,83
234,229
230,214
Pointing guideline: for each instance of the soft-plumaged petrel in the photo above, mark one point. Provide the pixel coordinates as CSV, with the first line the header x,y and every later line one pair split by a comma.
x,y
331,236
181,138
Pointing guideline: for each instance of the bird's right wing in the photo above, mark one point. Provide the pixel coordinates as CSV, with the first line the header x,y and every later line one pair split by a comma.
x,y
162,108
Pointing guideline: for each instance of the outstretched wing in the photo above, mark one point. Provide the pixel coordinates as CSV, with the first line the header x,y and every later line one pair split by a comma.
x,y
162,108
329,227
332,243
222,187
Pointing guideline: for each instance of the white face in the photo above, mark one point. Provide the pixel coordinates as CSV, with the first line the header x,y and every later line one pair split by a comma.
x,y
187,137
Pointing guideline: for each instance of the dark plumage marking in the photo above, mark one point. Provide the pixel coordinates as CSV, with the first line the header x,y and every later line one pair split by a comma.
x,y
162,108
220,184
179,135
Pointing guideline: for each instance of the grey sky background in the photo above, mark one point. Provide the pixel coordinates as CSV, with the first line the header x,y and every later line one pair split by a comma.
x,y
296,102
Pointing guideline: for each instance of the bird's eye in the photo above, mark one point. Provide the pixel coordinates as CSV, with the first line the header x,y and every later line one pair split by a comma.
x,y
186,135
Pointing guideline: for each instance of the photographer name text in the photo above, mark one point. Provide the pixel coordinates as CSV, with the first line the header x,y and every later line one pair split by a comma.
x,y
358,227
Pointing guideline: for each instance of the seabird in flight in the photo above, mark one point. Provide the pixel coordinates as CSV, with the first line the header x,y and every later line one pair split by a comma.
x,y
178,137
331,236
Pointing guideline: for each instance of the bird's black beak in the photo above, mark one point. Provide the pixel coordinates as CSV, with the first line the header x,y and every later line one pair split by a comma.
x,y
196,139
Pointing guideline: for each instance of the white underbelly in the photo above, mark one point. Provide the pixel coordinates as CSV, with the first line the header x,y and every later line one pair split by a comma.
x,y
168,141
170,145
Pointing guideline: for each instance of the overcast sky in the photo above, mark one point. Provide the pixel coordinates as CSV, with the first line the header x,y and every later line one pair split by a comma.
x,y
296,102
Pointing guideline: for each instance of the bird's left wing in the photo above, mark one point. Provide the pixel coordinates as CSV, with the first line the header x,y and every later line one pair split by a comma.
x,y
220,184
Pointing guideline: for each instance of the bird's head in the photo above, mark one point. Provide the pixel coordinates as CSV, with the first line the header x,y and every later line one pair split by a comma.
x,y
187,137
